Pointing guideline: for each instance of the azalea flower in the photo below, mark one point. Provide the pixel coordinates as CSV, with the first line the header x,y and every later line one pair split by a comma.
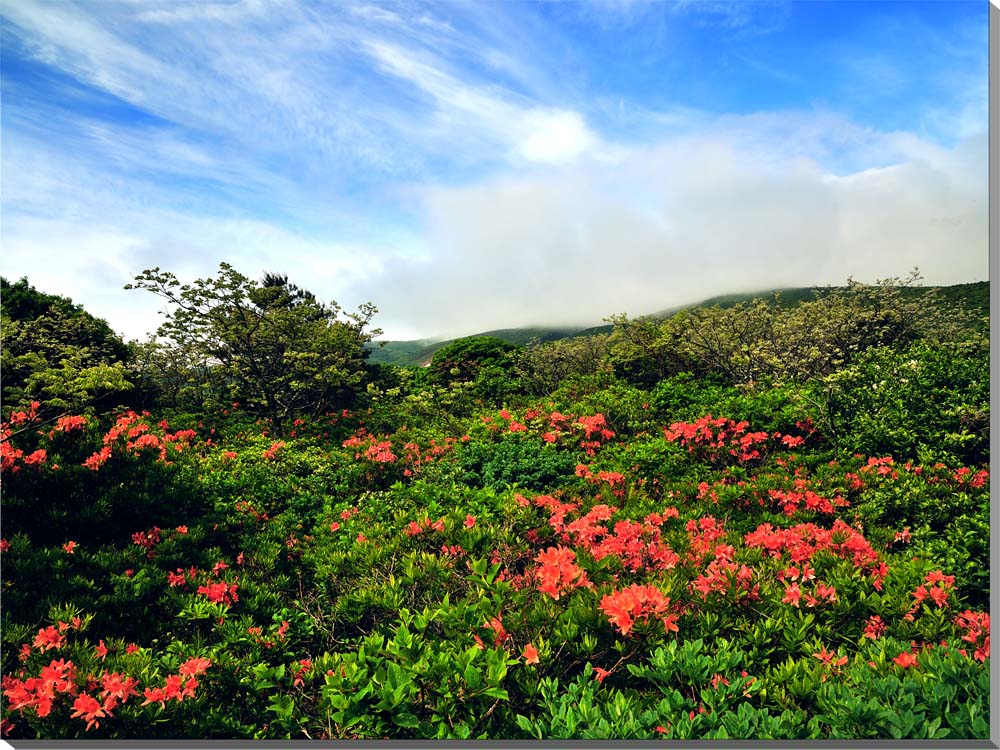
x,y
874,628
89,709
827,658
154,695
119,686
194,665
530,654
792,595
49,638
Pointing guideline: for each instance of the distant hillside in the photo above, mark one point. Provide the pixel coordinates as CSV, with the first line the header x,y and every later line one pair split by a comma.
x,y
403,353
420,351
788,298
975,296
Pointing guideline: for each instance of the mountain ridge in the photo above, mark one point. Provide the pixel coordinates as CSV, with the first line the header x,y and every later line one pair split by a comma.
x,y
418,352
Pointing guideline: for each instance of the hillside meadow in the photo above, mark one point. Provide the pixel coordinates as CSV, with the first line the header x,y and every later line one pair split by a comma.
x,y
764,520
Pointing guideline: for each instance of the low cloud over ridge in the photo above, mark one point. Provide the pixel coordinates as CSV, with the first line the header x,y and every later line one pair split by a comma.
x,y
695,216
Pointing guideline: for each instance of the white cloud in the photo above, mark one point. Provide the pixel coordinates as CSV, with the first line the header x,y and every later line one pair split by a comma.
x,y
743,205
200,11
530,133
687,219
554,136
91,262
62,37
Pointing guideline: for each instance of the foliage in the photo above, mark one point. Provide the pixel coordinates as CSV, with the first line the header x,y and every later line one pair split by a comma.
x,y
916,399
515,460
764,340
21,302
270,344
543,367
604,560
56,353
464,359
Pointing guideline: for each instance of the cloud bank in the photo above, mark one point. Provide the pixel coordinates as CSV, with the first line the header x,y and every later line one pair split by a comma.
x,y
737,208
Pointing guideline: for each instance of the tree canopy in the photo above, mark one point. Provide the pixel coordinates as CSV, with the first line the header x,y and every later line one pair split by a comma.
x,y
269,344
55,352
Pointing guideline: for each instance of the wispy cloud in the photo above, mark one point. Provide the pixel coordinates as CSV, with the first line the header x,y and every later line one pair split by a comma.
x,y
226,12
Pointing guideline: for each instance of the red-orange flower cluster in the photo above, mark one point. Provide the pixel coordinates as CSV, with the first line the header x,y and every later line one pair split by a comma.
x,y
638,603
558,572
977,632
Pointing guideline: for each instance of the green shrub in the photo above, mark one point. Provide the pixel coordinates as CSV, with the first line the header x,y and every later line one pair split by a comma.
x,y
515,461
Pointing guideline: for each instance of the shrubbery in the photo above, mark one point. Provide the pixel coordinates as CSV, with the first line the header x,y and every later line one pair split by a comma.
x,y
688,557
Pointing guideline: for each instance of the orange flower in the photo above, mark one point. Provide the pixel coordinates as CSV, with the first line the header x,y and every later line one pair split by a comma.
x,y
172,687
49,638
827,658
874,628
154,695
530,654
220,593
89,709
623,608
906,659
558,572
939,595
500,634
792,595
194,665
118,685
69,547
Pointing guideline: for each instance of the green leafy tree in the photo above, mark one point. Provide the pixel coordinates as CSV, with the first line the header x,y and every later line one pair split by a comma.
x,y
543,367
463,359
269,344
56,353
170,375
486,361
764,340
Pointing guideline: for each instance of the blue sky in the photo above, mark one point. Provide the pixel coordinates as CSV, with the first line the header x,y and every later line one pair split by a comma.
x,y
468,166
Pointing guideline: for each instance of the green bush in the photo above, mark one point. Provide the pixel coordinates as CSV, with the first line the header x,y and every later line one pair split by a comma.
x,y
515,461
901,402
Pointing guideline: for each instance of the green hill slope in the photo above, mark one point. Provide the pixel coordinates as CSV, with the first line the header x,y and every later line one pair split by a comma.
x,y
974,296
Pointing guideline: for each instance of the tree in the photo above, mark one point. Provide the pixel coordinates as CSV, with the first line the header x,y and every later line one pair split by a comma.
x,y
269,344
464,358
543,367
764,340
485,361
169,375
55,352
